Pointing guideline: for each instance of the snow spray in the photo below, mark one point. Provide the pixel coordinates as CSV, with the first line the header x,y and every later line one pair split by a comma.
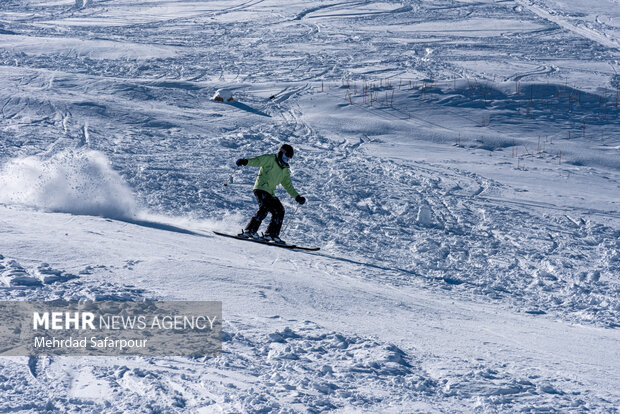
x,y
74,181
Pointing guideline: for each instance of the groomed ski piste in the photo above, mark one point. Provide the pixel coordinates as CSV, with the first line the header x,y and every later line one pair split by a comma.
x,y
461,162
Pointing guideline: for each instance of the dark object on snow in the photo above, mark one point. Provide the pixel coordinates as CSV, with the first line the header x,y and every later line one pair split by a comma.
x,y
272,97
242,161
301,200
223,95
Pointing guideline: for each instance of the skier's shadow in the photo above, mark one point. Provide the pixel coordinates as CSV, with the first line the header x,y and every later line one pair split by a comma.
x,y
445,279
164,227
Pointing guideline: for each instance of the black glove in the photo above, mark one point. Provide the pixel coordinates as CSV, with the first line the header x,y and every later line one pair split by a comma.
x,y
242,161
301,200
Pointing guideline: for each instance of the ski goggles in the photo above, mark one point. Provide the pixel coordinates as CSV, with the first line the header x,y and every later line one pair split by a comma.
x,y
285,158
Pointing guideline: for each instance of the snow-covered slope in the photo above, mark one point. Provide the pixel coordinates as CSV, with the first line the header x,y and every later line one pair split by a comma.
x,y
303,331
461,164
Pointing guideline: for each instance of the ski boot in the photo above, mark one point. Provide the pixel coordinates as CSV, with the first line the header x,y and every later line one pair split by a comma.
x,y
274,239
246,234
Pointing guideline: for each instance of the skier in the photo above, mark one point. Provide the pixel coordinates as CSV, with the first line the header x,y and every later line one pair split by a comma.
x,y
274,170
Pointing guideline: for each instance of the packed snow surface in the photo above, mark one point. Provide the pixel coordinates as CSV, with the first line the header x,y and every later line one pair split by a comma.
x,y
461,162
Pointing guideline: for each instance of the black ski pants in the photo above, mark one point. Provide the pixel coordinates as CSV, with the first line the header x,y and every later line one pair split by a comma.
x,y
267,204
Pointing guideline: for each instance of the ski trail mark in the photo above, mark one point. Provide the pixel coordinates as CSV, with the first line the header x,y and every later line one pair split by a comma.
x,y
582,31
306,12
541,70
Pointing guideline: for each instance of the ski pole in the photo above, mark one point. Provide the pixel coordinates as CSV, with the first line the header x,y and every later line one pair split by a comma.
x,y
291,219
231,177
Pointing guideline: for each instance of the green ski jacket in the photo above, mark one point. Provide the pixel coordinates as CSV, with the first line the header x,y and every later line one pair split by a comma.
x,y
271,175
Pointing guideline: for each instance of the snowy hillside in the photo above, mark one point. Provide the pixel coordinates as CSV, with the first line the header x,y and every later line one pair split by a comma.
x,y
461,162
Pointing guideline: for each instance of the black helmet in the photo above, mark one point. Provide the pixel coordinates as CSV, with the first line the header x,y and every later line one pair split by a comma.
x,y
287,150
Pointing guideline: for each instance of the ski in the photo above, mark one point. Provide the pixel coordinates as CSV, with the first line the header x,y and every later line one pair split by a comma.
x,y
260,241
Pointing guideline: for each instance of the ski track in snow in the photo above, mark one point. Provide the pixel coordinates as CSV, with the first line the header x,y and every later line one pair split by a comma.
x,y
394,199
598,34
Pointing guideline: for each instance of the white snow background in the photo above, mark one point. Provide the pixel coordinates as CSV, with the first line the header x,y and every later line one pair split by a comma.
x,y
461,161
